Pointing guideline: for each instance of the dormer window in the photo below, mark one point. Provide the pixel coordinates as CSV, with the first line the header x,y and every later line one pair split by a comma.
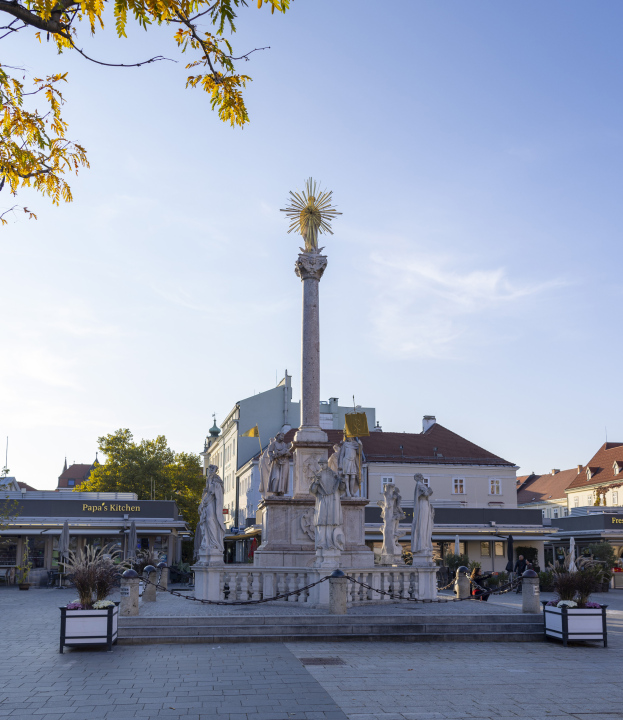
x,y
617,467
589,474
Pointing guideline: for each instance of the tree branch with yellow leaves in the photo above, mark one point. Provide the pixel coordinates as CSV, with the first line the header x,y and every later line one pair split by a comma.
x,y
35,151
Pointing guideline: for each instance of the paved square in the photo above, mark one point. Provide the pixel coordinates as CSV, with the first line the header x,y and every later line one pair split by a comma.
x,y
265,681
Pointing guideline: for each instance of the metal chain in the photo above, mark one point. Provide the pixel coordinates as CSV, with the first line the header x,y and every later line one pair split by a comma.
x,y
238,602
398,597
500,591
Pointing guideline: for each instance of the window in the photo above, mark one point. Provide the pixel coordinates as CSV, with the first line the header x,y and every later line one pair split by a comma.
x,y
71,483
499,549
590,499
495,486
426,481
458,486
485,549
555,513
576,501
615,497
565,512
386,480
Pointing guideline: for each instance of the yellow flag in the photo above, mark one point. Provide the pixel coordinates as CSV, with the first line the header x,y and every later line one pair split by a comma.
x,y
356,425
253,432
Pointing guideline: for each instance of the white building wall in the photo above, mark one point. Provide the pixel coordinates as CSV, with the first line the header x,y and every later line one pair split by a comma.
x,y
476,483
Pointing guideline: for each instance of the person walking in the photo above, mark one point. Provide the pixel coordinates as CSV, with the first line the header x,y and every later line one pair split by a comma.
x,y
520,569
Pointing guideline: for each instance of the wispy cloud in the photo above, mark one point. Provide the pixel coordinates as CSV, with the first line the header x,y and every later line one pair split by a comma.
x,y
424,305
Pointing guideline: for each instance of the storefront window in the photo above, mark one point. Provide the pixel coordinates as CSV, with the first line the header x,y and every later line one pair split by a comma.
x,y
36,551
161,544
485,549
499,549
8,553
73,546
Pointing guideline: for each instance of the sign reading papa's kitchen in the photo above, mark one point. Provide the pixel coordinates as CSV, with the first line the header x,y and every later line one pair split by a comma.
x,y
111,507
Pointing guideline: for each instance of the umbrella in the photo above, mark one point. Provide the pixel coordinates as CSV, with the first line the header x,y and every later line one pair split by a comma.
x,y
510,565
457,546
132,541
572,565
63,541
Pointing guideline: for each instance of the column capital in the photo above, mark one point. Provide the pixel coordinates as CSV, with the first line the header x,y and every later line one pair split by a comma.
x,y
310,266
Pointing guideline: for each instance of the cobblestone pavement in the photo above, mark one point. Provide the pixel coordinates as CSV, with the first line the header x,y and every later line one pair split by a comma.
x,y
264,681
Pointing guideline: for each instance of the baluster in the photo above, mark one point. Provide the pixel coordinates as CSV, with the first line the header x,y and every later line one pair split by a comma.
x,y
292,585
244,586
406,580
376,584
415,593
302,581
226,585
281,583
255,580
221,586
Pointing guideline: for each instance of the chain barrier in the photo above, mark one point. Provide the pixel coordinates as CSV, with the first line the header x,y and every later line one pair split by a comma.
x,y
506,588
399,597
237,602
500,591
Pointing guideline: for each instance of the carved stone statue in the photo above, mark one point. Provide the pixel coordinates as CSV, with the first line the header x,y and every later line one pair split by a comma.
x,y
423,521
392,514
349,465
333,459
329,533
275,467
211,523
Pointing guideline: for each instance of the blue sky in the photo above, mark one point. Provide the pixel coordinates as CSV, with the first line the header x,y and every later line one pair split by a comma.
x,y
475,150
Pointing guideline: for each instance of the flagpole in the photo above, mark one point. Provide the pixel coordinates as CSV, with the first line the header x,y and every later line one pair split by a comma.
x,y
259,438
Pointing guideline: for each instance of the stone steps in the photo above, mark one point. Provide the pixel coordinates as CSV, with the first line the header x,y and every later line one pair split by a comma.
x,y
224,629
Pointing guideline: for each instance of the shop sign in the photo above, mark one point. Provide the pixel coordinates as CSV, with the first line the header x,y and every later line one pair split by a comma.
x,y
111,507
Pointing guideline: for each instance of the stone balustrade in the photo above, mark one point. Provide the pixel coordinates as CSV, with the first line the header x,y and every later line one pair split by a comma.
x,y
239,583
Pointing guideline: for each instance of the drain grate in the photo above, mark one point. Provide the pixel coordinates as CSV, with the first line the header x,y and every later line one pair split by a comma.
x,y
322,661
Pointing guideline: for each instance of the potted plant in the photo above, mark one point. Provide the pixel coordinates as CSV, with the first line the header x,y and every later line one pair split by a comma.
x,y
91,619
570,616
23,570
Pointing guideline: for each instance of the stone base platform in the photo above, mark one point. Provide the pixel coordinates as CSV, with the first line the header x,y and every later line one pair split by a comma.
x,y
418,627
288,534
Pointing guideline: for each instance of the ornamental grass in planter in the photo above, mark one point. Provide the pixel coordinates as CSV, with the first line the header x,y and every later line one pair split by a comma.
x,y
91,619
571,615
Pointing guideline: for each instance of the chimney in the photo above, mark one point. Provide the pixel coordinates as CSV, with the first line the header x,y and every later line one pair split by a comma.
x,y
555,470
427,422
580,468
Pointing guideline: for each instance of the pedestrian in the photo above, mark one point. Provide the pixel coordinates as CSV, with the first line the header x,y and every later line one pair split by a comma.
x,y
520,569
478,591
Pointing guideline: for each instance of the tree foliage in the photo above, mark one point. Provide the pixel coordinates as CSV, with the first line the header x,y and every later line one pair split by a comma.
x,y
150,469
34,148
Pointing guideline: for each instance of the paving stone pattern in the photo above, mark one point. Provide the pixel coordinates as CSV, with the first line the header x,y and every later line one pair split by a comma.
x,y
265,681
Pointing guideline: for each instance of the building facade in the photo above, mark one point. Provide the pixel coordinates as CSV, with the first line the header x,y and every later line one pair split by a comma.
x,y
546,493
601,479
272,411
96,519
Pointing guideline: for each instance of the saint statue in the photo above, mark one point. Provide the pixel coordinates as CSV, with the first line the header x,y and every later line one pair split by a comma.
x,y
275,467
423,520
310,212
211,515
349,465
333,459
328,488
392,514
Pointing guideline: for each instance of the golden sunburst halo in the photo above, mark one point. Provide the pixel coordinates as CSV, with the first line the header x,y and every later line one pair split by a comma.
x,y
310,212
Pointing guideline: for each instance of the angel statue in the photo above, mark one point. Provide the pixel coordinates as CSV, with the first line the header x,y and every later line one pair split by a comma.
x,y
275,467
391,514
310,212
211,525
423,520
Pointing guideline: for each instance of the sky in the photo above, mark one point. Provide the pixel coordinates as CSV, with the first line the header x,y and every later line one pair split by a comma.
x,y
475,151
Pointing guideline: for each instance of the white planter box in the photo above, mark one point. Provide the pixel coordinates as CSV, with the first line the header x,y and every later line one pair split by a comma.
x,y
89,627
575,623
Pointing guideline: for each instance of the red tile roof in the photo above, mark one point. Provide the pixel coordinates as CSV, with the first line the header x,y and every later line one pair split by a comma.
x,y
437,445
77,472
601,465
26,486
540,488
